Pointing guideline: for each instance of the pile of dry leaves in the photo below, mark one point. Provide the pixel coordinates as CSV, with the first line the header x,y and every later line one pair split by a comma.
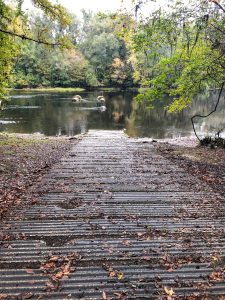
x,y
58,268
23,162
203,162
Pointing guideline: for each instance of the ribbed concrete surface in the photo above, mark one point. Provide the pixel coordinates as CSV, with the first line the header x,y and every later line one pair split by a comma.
x,y
139,226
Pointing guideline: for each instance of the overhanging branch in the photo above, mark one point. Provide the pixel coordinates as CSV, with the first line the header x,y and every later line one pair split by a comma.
x,y
219,5
24,37
201,116
47,8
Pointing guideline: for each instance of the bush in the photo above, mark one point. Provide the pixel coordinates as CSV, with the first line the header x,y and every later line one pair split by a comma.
x,y
213,142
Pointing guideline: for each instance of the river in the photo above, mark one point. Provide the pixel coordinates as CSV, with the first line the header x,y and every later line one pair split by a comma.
x,y
56,114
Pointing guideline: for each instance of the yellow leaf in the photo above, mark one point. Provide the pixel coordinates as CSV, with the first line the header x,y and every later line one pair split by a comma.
x,y
169,291
120,275
214,258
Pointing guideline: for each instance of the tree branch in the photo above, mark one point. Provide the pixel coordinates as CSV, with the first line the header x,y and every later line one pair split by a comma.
x,y
217,28
24,37
219,5
47,8
56,11
201,116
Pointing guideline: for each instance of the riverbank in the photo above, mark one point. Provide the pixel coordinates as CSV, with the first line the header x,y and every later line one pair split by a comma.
x,y
73,90
203,162
24,160
50,90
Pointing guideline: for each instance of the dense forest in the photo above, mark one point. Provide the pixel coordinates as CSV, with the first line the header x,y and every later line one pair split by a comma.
x,y
97,57
176,50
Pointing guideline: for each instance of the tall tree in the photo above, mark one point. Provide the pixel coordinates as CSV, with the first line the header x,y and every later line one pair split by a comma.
x,y
102,46
14,24
183,50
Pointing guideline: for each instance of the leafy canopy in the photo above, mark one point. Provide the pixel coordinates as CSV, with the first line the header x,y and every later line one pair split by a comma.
x,y
15,24
181,53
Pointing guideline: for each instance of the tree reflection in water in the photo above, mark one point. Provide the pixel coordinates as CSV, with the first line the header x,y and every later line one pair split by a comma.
x,y
55,114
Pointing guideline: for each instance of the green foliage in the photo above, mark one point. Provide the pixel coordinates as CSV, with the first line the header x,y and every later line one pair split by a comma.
x,y
94,52
182,77
38,66
8,48
14,24
91,78
102,46
213,142
8,51
55,12
90,62
179,54
175,54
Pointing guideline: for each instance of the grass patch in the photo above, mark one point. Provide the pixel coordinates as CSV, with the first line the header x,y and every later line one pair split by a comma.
x,y
108,89
11,140
52,90
116,89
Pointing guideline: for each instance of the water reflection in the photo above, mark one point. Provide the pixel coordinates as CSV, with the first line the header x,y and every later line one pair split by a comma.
x,y
55,114
159,123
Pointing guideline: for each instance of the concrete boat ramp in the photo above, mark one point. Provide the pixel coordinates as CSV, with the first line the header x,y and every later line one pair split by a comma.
x,y
115,220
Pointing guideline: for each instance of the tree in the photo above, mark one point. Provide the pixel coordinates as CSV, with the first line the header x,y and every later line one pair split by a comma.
x,y
8,48
102,46
14,21
14,24
38,65
183,51
121,73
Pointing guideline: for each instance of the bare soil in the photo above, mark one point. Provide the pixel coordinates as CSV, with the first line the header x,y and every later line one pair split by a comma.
x,y
203,162
24,159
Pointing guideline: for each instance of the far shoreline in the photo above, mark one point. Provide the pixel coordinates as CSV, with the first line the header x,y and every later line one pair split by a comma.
x,y
49,90
72,90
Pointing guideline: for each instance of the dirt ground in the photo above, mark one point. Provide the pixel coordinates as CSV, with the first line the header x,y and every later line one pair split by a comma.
x,y
203,162
24,159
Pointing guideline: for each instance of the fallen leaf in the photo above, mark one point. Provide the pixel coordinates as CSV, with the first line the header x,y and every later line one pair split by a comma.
x,y
120,275
104,297
217,276
119,295
169,291
147,258
49,285
29,271
126,242
54,258
58,275
26,296
48,266
67,269
112,274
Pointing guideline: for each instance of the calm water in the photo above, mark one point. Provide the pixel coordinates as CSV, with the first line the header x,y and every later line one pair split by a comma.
x,y
55,114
